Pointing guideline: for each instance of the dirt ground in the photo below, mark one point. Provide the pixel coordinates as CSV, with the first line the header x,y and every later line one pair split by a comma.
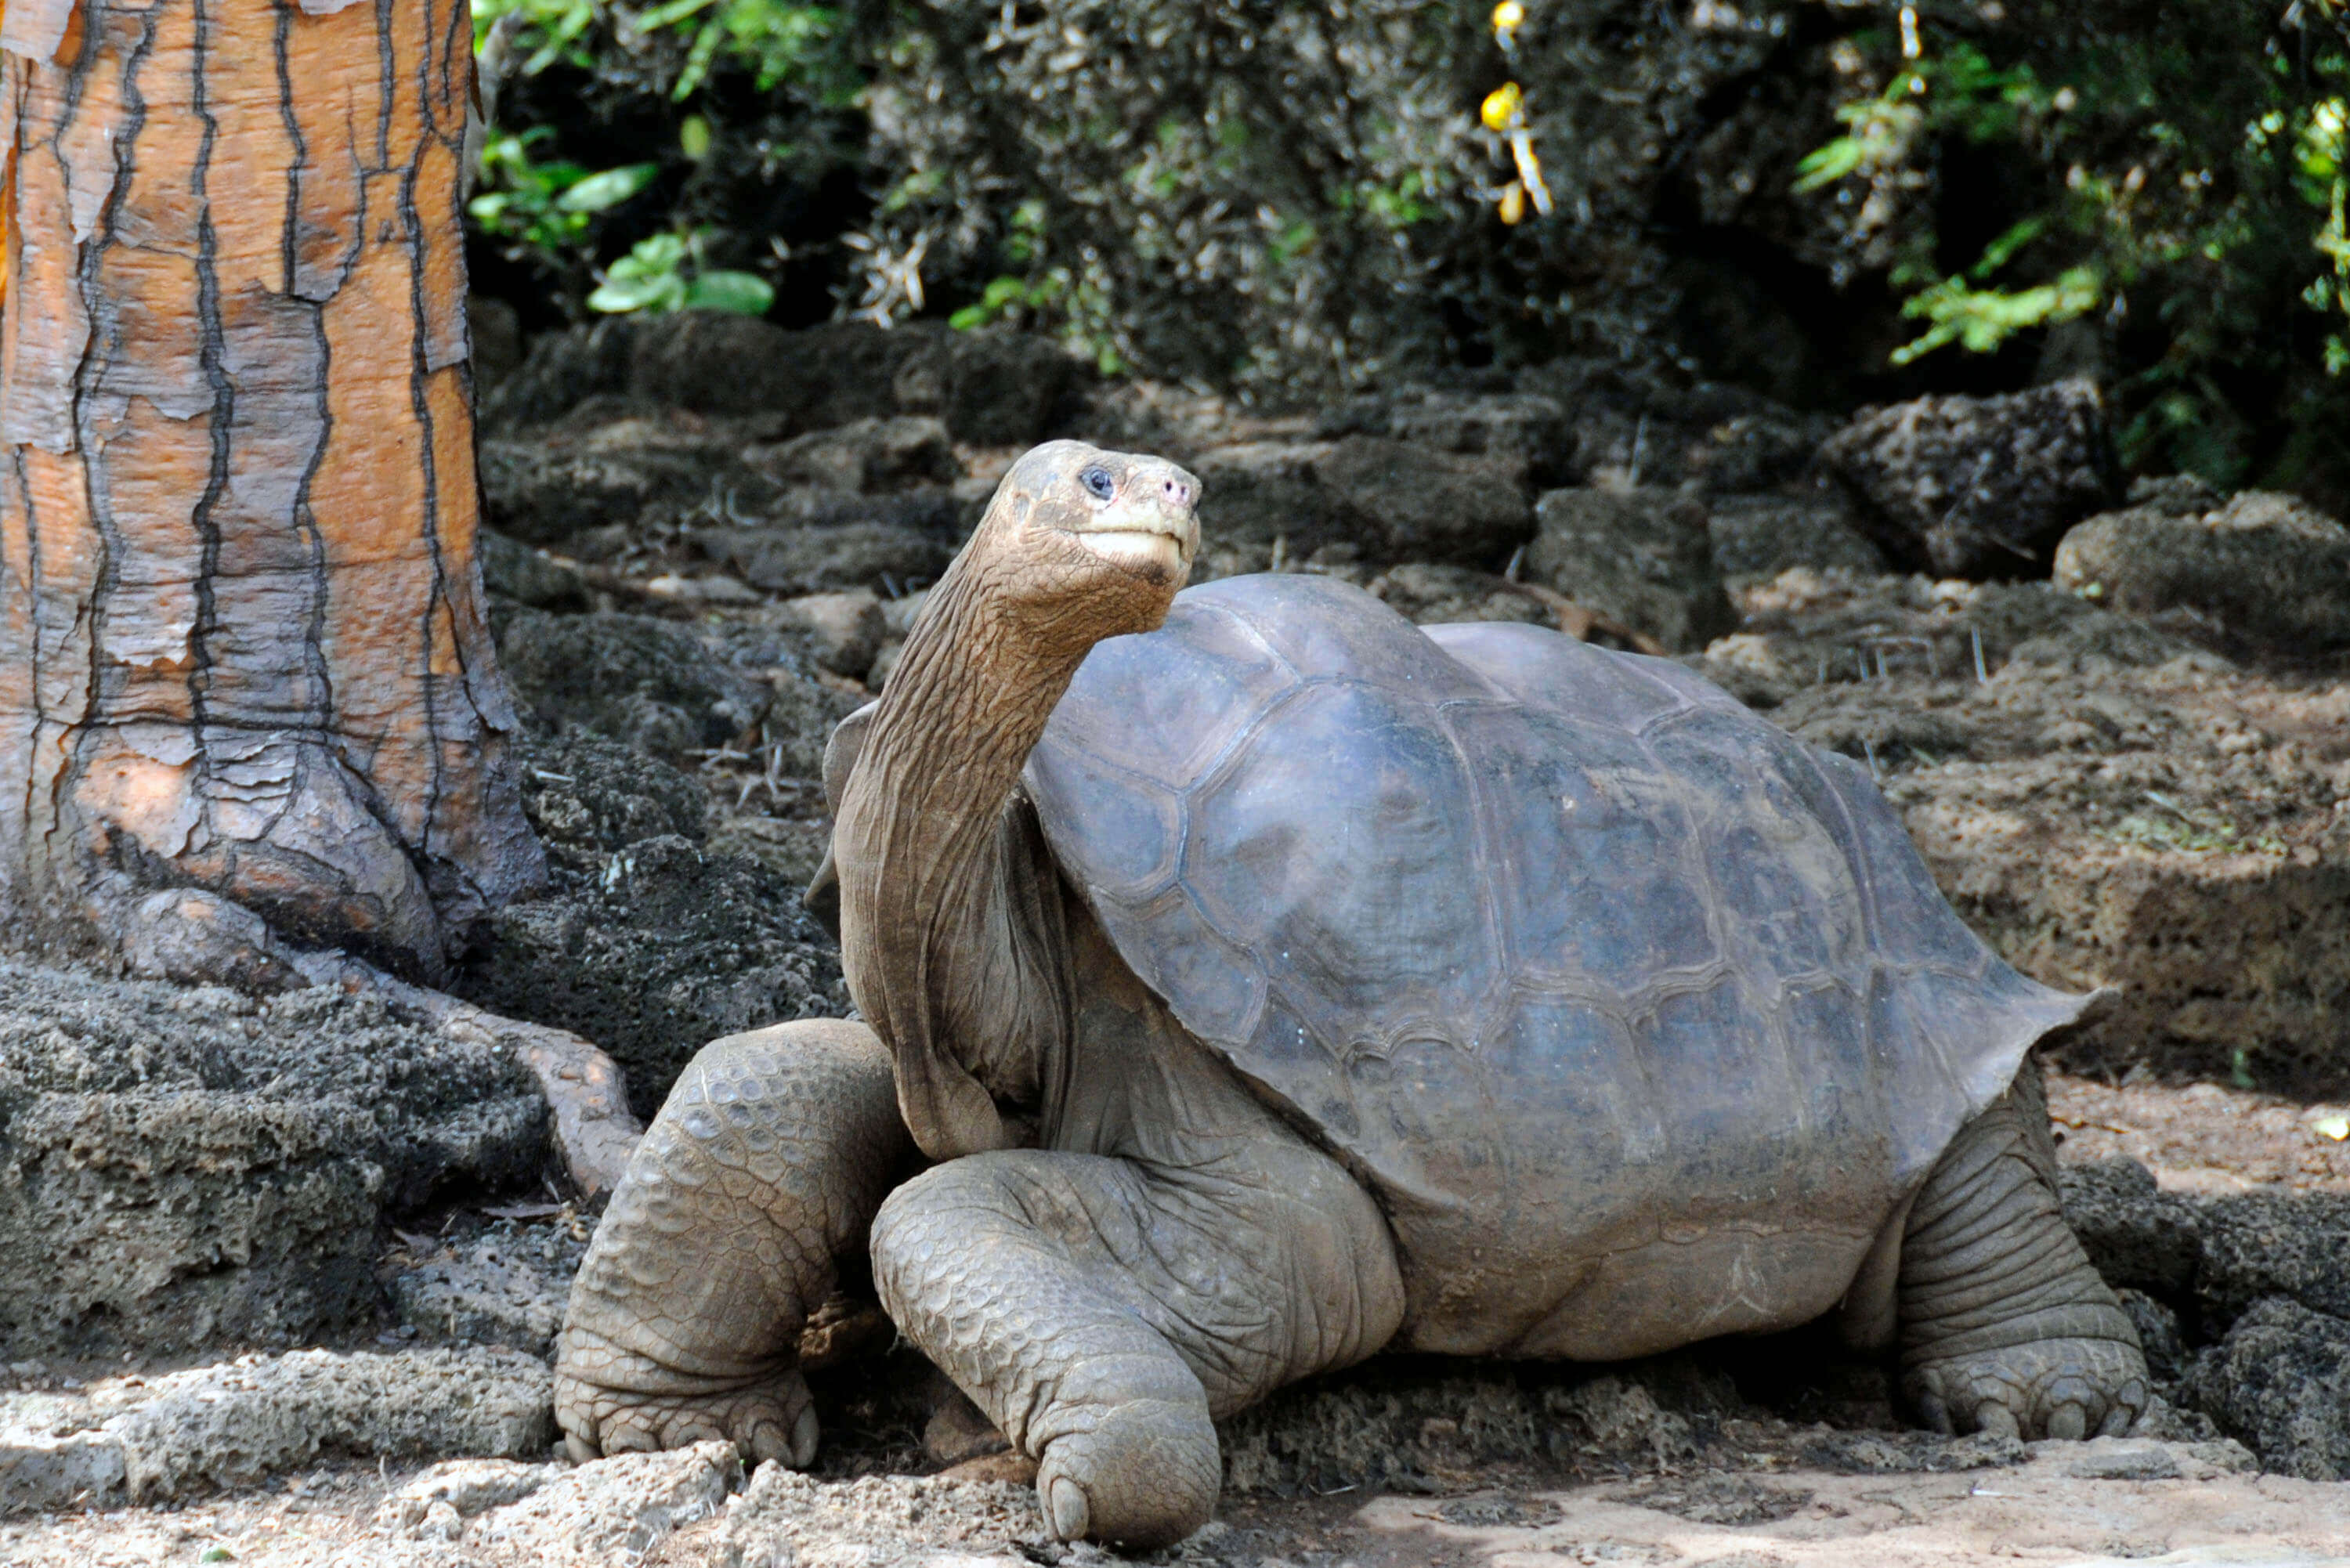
x,y
2204,1138
1770,1487
2115,1501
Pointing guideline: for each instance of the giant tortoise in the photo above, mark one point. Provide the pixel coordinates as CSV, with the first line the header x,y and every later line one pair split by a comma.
x,y
1252,981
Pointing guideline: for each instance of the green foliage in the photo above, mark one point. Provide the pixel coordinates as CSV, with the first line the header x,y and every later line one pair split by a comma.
x,y
548,209
735,106
1003,299
774,40
556,29
666,273
2177,188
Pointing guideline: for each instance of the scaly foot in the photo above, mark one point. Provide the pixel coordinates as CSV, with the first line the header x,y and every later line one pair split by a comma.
x,y
2048,1389
1139,1475
631,1404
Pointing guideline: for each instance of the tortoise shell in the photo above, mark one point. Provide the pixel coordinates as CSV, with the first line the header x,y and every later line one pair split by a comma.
x,y
1638,1015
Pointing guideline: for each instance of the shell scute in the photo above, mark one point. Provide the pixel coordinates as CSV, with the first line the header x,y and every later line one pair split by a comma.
x,y
1178,706
1361,912
1592,889
1522,663
1309,624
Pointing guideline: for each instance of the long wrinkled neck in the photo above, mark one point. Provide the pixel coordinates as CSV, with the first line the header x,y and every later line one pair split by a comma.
x,y
941,939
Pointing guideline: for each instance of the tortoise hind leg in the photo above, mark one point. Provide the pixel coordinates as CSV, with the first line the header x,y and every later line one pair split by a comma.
x,y
2004,1325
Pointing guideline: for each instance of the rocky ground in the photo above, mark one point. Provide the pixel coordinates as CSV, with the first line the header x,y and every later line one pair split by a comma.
x,y
1781,1451
261,1307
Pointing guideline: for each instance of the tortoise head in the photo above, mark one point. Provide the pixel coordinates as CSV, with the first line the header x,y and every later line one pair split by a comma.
x,y
1093,542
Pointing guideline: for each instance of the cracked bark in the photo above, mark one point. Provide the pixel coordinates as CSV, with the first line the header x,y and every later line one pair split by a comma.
x,y
246,689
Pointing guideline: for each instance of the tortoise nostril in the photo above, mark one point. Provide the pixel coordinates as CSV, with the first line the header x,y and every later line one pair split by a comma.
x,y
1178,491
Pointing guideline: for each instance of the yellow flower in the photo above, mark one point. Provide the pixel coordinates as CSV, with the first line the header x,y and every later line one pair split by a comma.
x,y
1509,16
1502,106
1514,202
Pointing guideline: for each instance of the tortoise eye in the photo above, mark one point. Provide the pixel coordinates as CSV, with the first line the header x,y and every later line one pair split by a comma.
x,y
1099,482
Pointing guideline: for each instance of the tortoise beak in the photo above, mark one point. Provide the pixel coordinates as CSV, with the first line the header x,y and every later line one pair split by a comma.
x,y
1153,526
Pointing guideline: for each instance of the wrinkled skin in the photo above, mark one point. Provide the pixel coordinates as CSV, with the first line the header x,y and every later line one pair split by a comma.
x,y
1074,1206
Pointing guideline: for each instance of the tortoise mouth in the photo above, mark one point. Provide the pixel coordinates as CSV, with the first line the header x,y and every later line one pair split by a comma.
x,y
1151,549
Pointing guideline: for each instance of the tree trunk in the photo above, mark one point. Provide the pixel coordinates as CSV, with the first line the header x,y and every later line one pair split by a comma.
x,y
244,667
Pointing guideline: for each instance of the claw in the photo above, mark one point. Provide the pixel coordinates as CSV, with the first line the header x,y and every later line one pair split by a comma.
x,y
804,1436
630,1437
1997,1419
1071,1516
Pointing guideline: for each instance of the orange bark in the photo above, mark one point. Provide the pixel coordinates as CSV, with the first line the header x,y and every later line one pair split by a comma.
x,y
243,665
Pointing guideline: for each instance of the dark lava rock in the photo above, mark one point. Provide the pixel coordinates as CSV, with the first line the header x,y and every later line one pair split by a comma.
x,y
1422,504
1756,451
651,684
1757,536
2263,568
710,362
1524,431
188,1167
863,456
1643,556
610,464
2261,1244
801,710
844,630
990,387
588,796
1409,1425
512,570
2159,1335
1432,595
664,950
1507,1512
506,1284
2136,1234
1717,1499
1387,501
824,542
2278,1382
494,328
1911,1452
1260,492
993,387
559,370
1977,487
1631,424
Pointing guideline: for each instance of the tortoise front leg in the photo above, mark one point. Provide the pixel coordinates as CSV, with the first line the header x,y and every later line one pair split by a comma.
x,y
764,1169
1103,1312
2005,1325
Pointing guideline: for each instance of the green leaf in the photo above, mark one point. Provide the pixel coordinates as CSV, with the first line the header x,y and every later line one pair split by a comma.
x,y
1826,165
657,256
740,292
1996,254
613,186
675,11
619,295
215,1553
